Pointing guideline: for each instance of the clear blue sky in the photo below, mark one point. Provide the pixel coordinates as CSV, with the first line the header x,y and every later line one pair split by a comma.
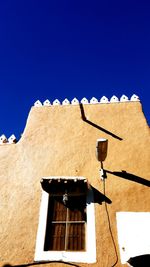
x,y
58,49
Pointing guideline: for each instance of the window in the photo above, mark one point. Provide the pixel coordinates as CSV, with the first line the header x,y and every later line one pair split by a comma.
x,y
66,228
66,224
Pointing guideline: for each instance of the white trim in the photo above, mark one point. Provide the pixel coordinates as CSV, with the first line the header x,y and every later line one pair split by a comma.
x,y
89,256
102,139
38,103
75,101
84,101
66,102
64,177
93,100
124,98
46,103
134,98
114,99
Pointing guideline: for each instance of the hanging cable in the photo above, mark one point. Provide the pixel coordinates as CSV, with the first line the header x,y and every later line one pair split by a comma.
x,y
109,225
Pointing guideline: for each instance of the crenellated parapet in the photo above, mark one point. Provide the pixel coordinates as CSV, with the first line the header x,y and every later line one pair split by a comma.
x,y
93,100
11,140
103,100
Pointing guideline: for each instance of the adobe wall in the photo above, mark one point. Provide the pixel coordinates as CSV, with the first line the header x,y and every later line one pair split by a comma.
x,y
58,142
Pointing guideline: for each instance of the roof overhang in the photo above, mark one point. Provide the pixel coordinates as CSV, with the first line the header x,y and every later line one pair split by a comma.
x,y
62,184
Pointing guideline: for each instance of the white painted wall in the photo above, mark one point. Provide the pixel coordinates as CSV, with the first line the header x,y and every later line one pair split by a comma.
x,y
133,234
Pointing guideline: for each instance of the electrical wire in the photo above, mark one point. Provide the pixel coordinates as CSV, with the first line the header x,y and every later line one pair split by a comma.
x,y
109,225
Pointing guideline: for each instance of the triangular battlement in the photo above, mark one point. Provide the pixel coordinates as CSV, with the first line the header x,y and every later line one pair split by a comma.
x,y
84,100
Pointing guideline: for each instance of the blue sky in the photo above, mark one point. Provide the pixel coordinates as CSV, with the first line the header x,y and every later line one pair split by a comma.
x,y
66,49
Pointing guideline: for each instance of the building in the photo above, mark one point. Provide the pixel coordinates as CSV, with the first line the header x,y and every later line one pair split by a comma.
x,y
56,209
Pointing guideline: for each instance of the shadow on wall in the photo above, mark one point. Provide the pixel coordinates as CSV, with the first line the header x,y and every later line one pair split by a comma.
x,y
140,261
99,197
83,116
130,176
41,263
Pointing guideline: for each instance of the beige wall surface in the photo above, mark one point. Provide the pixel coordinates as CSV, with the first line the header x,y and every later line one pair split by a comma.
x,y
60,141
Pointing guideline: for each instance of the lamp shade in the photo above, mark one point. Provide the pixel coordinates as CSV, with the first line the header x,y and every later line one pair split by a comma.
x,y
101,149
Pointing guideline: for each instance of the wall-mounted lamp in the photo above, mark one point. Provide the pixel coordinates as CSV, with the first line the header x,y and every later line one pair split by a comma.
x,y
101,153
